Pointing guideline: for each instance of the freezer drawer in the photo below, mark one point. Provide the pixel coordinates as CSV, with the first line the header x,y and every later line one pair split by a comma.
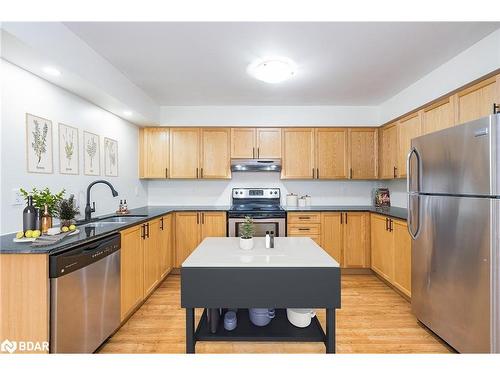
x,y
451,269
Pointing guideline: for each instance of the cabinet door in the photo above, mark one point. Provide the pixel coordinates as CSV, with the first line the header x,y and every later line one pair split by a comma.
x,y
409,128
215,153
184,152
389,151
153,152
438,116
331,153
363,153
243,143
152,256
165,245
298,153
187,235
477,101
332,234
382,254
356,239
131,269
213,224
402,257
268,143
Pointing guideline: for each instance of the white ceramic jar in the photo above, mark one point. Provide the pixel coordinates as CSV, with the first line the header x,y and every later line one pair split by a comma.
x,y
246,243
291,200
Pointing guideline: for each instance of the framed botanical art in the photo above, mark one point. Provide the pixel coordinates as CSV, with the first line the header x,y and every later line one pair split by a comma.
x,y
110,157
68,149
91,154
39,144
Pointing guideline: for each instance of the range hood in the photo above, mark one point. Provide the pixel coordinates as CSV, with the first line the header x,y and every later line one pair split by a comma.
x,y
256,165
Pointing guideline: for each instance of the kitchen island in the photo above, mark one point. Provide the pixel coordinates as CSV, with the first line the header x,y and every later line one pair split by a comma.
x,y
296,273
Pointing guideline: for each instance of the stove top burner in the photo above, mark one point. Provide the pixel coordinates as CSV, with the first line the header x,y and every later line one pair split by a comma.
x,y
256,207
261,202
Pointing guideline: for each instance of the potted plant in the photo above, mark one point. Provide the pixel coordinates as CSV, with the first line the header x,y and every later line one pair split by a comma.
x,y
67,211
44,201
247,231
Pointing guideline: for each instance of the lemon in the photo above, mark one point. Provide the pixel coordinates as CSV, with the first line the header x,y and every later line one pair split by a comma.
x,y
36,234
28,233
19,235
65,229
72,227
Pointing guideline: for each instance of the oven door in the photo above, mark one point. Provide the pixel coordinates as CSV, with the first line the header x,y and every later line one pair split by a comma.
x,y
277,225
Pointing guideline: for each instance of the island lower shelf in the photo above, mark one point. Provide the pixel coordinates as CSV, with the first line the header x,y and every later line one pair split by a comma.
x,y
279,329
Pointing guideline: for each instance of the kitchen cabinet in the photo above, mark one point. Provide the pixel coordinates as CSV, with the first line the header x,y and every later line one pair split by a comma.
x,y
298,153
251,143
215,153
192,227
184,153
438,116
331,153
391,251
165,244
409,128
304,224
153,152
131,269
332,234
152,251
356,240
389,151
363,153
477,100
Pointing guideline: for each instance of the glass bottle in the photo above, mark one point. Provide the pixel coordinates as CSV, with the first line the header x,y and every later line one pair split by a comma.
x,y
46,219
29,215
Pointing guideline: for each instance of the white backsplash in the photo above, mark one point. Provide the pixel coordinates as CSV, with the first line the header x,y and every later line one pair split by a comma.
x,y
218,192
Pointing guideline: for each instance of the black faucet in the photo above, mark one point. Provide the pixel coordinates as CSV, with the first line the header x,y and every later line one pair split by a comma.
x,y
88,209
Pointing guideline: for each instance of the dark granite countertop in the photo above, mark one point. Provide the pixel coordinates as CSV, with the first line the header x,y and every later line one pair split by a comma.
x,y
395,212
88,232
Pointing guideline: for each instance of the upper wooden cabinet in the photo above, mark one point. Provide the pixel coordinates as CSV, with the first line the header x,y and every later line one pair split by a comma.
x,y
184,153
438,116
409,128
251,143
477,101
389,151
215,161
331,153
363,153
153,152
200,153
297,150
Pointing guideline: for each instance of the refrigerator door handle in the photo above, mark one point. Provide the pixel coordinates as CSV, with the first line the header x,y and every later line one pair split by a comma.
x,y
409,195
413,150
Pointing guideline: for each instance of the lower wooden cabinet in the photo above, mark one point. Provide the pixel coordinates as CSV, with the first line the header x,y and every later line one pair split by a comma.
x,y
346,237
165,242
192,227
391,251
305,224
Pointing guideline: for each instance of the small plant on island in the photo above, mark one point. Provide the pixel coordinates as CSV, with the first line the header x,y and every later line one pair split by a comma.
x,y
247,228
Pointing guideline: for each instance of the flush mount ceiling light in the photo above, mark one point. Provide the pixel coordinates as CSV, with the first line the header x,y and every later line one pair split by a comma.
x,y
273,69
52,71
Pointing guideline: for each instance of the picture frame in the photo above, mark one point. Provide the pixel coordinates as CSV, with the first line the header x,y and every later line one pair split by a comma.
x,y
91,154
110,157
39,147
68,150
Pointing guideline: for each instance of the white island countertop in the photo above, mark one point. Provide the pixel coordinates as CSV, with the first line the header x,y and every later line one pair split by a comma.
x,y
287,252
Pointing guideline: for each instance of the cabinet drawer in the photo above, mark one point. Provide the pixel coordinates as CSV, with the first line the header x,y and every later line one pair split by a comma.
x,y
303,229
309,217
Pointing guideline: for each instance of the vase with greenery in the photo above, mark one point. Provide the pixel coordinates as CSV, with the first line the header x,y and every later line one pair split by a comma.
x,y
247,231
67,210
42,198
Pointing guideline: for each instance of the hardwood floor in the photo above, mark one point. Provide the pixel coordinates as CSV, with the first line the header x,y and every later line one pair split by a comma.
x,y
373,319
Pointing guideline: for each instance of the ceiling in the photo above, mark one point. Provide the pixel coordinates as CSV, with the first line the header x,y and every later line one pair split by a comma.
x,y
339,63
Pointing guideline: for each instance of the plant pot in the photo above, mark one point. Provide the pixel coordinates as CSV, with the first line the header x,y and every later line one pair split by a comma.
x,y
246,243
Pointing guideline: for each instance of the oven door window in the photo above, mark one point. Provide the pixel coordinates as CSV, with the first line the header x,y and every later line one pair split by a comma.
x,y
261,227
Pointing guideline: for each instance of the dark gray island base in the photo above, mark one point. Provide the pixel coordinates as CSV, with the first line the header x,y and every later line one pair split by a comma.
x,y
260,287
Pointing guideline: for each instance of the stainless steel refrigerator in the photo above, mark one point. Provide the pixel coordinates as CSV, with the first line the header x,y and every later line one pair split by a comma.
x,y
454,220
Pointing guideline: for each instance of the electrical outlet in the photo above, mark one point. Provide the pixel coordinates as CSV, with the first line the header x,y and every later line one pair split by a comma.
x,y
17,197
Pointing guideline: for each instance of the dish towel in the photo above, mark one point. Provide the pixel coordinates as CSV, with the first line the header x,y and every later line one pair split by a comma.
x,y
48,240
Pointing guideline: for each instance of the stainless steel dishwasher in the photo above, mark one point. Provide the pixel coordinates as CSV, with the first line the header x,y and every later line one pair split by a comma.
x,y
84,296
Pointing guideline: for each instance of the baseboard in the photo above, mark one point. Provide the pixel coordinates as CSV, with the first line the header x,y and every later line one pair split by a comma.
x,y
356,271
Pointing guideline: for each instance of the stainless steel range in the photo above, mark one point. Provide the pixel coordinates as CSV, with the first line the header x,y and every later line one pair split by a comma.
x,y
263,205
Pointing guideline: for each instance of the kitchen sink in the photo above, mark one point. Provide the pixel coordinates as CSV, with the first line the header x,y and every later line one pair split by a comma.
x,y
119,219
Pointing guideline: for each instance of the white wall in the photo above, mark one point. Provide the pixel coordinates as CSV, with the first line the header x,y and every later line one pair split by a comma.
x,y
217,192
476,61
270,115
23,92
